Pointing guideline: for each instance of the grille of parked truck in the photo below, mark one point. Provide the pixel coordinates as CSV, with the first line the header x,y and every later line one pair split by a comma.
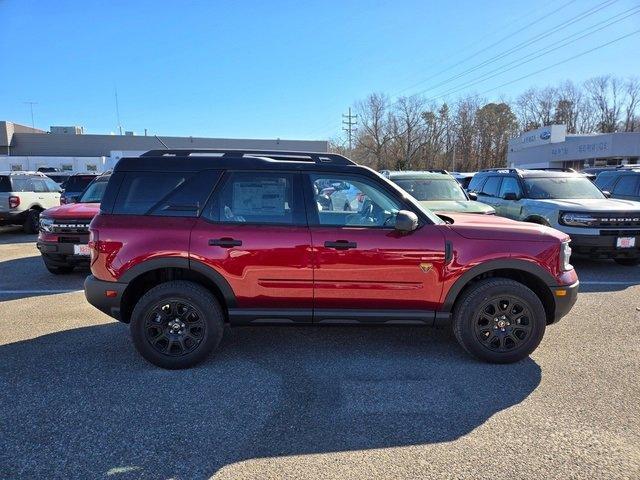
x,y
599,227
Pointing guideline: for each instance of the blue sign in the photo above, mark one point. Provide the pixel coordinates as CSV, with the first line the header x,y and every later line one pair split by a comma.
x,y
546,135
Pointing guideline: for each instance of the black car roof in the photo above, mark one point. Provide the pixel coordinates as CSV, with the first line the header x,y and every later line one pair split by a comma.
x,y
198,160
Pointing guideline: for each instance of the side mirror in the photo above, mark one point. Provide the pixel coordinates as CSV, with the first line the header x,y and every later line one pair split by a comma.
x,y
607,193
406,221
473,196
510,196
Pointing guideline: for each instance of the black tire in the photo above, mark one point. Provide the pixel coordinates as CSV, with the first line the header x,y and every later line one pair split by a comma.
x,y
483,317
627,262
32,223
169,345
60,270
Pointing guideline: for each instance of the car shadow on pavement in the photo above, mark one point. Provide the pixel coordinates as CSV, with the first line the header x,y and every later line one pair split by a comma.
x,y
82,404
27,277
605,275
9,235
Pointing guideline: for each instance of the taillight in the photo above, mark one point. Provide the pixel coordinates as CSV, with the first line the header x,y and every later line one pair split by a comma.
x,y
93,244
14,202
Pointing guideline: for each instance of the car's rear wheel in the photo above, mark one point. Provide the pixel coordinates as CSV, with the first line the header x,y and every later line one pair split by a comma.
x,y
499,320
176,324
628,262
32,223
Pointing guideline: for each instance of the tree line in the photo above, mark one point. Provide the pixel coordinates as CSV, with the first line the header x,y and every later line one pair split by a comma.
x,y
414,133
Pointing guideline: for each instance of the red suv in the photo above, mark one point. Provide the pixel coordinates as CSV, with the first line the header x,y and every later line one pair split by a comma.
x,y
187,241
64,230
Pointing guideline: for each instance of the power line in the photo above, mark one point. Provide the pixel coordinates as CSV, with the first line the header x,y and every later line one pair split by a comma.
x,y
350,124
526,43
478,52
564,61
535,55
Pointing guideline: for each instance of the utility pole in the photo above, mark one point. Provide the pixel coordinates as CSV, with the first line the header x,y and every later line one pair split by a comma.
x,y
118,112
350,121
31,104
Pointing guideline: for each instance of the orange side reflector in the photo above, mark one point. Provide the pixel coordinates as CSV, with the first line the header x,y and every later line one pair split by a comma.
x,y
561,293
110,293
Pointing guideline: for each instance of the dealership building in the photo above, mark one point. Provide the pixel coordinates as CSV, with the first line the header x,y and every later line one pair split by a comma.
x,y
70,149
552,147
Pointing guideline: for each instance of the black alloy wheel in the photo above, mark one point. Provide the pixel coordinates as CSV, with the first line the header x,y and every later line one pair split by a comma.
x,y
502,323
175,327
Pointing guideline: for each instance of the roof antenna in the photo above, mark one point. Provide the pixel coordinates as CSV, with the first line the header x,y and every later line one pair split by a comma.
x,y
163,144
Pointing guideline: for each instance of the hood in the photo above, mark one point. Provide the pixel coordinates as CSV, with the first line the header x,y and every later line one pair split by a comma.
x,y
491,227
462,206
73,211
593,204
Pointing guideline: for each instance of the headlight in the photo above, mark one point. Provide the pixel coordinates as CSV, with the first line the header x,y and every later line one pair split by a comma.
x,y
578,219
565,257
46,224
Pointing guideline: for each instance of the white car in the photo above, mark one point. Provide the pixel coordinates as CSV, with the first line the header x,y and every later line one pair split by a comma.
x,y
23,195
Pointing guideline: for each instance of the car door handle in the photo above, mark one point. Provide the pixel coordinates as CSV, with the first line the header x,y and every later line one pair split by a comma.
x,y
225,242
341,245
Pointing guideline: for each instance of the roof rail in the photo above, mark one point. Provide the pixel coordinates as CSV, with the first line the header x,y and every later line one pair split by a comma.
x,y
282,155
554,169
503,169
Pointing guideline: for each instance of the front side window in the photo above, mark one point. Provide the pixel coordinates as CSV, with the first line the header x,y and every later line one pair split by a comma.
x,y
509,185
491,186
258,198
432,189
39,185
369,204
561,188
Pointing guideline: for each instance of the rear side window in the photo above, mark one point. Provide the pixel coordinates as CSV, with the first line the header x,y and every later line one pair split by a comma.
x,y
492,186
21,184
627,185
164,193
39,185
5,184
258,197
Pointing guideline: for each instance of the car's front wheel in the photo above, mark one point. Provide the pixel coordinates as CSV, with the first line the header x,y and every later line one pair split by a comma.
x,y
177,324
499,320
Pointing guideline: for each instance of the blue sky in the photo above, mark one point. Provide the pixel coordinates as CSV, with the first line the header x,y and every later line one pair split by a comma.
x,y
286,69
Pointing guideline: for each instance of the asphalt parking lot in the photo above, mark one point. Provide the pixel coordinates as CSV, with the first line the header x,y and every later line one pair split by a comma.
x,y
335,402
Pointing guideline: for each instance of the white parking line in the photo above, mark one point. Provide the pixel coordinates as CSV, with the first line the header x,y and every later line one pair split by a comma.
x,y
32,292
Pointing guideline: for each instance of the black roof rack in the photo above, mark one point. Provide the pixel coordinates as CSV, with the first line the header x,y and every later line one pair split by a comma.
x,y
282,155
503,169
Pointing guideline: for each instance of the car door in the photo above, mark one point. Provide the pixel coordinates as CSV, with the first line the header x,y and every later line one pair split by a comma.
x,y
253,233
364,269
510,208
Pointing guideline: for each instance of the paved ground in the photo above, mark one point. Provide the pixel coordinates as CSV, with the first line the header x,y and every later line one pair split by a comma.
x,y
78,402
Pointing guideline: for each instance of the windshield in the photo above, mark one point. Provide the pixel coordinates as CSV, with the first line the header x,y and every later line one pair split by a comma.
x,y
561,188
78,183
432,188
94,193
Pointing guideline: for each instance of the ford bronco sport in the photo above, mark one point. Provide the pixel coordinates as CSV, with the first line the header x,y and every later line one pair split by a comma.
x,y
23,195
64,230
187,241
599,227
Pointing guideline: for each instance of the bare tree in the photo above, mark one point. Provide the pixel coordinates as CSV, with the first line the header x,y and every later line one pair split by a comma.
x,y
374,133
631,115
606,92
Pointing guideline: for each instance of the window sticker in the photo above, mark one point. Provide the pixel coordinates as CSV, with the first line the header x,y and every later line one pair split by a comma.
x,y
259,198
